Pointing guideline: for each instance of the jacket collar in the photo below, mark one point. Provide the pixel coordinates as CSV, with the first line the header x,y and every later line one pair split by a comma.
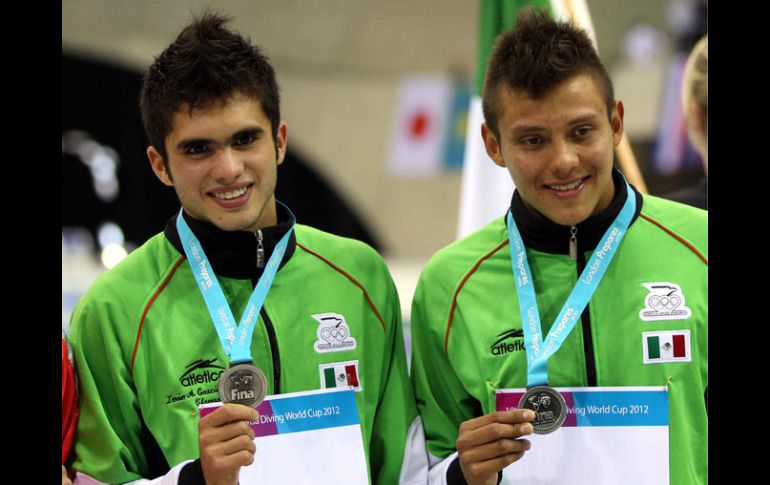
x,y
233,254
542,234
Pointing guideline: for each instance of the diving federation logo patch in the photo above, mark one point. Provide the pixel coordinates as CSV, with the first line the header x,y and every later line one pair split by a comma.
x,y
333,333
665,301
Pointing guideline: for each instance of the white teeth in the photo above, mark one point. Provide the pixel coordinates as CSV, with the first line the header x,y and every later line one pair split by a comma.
x,y
230,195
564,188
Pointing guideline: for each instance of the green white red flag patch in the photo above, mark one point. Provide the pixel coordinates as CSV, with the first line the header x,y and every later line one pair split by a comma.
x,y
340,374
666,346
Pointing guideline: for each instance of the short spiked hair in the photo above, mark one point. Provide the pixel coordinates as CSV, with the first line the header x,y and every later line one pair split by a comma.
x,y
206,63
536,56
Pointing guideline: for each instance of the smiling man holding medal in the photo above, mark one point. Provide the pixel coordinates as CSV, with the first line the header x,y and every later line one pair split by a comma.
x,y
565,342
235,301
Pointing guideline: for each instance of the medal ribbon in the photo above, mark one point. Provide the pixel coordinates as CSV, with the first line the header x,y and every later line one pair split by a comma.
x,y
539,350
236,346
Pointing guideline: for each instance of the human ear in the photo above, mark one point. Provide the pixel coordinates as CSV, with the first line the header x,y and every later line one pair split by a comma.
x,y
492,145
616,122
159,166
281,138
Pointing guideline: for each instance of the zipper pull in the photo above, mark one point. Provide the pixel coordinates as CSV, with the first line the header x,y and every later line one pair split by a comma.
x,y
573,243
260,250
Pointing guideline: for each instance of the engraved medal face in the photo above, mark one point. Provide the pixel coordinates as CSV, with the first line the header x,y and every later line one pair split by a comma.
x,y
243,384
549,407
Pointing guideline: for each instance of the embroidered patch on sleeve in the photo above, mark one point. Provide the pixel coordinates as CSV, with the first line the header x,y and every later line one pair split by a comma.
x,y
333,333
665,301
666,346
340,374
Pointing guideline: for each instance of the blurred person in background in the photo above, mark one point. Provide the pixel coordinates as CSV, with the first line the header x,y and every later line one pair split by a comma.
x,y
150,345
695,103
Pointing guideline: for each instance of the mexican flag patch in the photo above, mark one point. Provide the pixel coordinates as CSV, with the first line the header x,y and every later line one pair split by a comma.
x,y
666,346
340,374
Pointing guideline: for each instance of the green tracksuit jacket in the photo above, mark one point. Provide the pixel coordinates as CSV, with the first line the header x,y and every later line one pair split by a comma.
x,y
147,353
466,326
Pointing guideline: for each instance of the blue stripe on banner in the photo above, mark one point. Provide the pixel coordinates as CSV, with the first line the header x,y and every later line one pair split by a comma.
x,y
315,411
621,408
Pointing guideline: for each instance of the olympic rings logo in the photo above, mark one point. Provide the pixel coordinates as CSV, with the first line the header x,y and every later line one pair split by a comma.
x,y
664,303
334,334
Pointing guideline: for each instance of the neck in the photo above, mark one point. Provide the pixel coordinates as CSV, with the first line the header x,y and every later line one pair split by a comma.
x,y
268,217
232,254
542,234
606,198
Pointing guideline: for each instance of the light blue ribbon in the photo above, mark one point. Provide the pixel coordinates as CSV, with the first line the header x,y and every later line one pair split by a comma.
x,y
539,350
236,340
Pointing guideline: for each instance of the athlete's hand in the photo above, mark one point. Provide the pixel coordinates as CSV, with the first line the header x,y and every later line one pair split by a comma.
x,y
490,443
226,443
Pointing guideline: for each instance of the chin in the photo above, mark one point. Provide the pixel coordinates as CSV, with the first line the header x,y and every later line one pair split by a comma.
x,y
568,222
234,225
568,219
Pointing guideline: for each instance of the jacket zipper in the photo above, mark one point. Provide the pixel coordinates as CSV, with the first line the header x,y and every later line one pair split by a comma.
x,y
260,250
585,318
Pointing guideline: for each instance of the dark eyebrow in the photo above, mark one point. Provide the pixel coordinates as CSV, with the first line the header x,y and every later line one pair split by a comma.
x,y
583,119
525,129
183,145
254,131
519,130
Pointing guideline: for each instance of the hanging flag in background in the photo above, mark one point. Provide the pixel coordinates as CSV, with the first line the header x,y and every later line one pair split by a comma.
x,y
457,126
486,188
424,139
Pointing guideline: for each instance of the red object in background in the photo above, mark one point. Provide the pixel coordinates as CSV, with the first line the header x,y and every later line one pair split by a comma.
x,y
69,403
418,125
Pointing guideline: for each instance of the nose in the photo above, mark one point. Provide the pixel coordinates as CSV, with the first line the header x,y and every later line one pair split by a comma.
x,y
565,159
227,166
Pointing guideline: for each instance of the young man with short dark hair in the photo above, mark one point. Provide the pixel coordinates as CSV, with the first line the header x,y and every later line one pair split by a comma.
x,y
149,344
489,310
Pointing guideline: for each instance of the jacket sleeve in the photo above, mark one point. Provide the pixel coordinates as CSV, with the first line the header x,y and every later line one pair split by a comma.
x,y
109,445
397,452
442,401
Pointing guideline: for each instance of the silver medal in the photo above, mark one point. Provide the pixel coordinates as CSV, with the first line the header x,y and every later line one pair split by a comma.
x,y
549,407
243,384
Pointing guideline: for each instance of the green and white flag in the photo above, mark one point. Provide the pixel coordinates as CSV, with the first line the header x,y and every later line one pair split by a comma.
x,y
486,188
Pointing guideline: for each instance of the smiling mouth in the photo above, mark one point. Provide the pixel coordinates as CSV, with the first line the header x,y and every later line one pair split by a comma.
x,y
567,187
232,194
